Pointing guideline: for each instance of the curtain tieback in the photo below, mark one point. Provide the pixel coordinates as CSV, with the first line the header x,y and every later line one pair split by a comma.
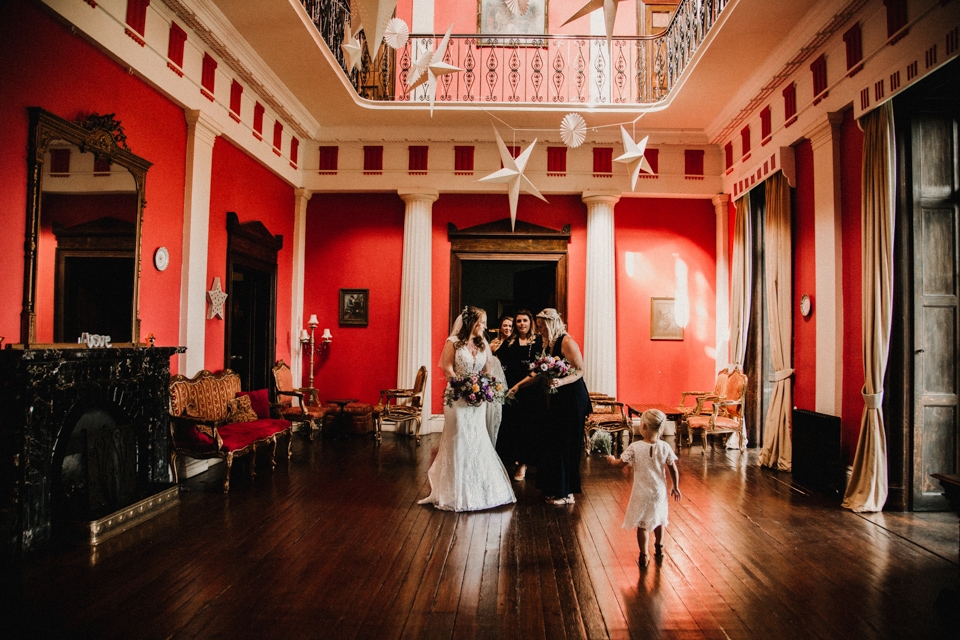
x,y
783,374
873,400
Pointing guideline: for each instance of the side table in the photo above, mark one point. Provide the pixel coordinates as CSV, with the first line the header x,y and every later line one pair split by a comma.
x,y
340,424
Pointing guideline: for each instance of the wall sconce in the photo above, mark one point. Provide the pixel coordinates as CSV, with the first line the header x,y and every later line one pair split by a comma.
x,y
326,337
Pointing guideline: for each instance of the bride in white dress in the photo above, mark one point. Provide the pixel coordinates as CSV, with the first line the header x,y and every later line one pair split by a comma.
x,y
467,474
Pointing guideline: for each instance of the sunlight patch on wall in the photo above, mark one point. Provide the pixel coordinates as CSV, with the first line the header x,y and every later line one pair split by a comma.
x,y
637,266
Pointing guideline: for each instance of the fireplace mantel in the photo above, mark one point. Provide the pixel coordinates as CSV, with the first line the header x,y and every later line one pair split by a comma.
x,y
43,394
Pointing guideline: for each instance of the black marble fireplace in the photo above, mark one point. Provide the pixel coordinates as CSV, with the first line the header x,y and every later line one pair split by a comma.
x,y
83,433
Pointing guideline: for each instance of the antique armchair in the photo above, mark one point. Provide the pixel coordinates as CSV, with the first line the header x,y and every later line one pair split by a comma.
x,y
388,408
310,412
606,415
699,398
723,414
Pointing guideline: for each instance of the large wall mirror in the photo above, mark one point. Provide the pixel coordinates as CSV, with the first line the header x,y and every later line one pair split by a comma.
x,y
85,198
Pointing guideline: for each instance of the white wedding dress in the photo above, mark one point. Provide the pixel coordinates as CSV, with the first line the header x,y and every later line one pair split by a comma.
x,y
467,474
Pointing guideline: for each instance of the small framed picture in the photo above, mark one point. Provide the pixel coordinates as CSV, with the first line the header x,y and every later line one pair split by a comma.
x,y
354,307
663,321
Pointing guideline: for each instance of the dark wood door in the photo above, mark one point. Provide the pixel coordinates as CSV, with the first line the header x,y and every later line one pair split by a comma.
x,y
936,290
251,330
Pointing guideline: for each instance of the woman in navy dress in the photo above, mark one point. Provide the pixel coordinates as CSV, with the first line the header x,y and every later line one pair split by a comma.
x,y
518,429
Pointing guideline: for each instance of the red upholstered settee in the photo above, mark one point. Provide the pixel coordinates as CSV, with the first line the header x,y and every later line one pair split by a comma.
x,y
211,418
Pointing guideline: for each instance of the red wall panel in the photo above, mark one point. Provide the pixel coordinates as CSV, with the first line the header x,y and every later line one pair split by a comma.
x,y
851,164
242,185
804,282
34,46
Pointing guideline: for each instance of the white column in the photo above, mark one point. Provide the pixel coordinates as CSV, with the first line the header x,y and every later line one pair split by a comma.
x,y
600,300
825,142
415,299
301,197
202,132
721,204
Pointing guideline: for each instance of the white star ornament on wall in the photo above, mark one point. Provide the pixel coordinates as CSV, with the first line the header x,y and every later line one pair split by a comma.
x,y
633,157
352,49
374,14
609,14
217,298
512,175
431,66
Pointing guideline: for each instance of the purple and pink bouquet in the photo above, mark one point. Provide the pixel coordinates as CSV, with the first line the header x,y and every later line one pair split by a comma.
x,y
551,367
474,390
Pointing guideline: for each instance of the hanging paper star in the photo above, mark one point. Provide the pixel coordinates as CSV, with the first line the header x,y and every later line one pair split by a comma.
x,y
352,49
609,14
512,174
431,66
374,14
633,157
217,297
517,7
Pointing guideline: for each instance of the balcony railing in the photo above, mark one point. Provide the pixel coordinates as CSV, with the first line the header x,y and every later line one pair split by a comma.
x,y
517,70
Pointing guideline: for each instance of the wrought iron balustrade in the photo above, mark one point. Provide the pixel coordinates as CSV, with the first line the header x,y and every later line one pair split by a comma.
x,y
545,69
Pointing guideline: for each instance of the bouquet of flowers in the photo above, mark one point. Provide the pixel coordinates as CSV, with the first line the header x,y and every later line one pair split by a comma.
x,y
551,367
474,389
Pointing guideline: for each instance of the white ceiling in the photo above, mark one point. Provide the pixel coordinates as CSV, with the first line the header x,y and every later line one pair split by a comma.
x,y
754,39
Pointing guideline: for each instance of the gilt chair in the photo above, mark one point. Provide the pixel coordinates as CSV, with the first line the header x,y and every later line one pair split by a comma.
x,y
388,408
606,415
723,414
310,412
699,398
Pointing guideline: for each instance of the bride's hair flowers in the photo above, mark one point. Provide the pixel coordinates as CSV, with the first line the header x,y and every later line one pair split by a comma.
x,y
474,390
551,367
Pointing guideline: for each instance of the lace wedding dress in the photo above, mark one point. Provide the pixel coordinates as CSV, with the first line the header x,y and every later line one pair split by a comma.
x,y
467,474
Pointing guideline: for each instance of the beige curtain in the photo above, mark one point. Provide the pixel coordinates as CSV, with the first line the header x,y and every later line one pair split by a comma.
x,y
741,282
867,490
778,287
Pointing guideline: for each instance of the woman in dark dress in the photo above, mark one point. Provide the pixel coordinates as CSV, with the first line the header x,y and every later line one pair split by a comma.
x,y
518,426
560,441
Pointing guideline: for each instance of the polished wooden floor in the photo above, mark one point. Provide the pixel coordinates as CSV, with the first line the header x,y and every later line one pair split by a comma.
x,y
333,545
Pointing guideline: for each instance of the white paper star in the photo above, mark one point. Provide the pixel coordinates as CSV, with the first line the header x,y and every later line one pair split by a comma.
x,y
633,157
517,7
512,174
431,66
352,49
609,14
374,14
217,297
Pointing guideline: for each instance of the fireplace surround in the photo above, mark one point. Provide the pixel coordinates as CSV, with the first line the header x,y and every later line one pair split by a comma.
x,y
83,434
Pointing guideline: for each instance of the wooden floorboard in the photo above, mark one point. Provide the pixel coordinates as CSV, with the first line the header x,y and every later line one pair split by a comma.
x,y
331,544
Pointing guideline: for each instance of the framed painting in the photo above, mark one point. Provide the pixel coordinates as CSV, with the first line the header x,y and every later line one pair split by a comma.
x,y
494,18
663,322
354,307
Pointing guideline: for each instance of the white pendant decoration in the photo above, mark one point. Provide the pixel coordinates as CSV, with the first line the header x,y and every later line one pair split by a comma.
x,y
609,14
396,34
512,175
573,130
517,7
633,157
431,66
374,14
217,298
352,49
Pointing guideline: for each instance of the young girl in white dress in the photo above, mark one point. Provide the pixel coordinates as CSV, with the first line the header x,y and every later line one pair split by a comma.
x,y
648,506
467,474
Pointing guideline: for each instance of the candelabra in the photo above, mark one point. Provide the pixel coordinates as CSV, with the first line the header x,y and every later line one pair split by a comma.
x,y
307,341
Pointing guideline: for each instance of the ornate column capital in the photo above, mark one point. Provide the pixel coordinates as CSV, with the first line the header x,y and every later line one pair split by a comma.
x,y
202,125
418,195
600,197
721,202
825,130
304,194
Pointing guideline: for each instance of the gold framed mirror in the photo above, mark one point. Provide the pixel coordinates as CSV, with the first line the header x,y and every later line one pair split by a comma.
x,y
85,200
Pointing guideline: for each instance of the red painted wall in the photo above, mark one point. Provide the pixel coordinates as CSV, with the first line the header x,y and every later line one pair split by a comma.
x,y
76,78
240,184
804,282
664,232
851,168
354,241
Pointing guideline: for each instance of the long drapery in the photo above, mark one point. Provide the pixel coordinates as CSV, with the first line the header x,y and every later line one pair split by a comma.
x,y
778,284
867,490
741,282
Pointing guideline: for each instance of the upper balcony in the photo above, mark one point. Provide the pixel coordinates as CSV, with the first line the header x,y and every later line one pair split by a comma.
x,y
635,73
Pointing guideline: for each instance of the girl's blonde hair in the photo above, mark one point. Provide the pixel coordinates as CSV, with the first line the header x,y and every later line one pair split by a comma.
x,y
653,418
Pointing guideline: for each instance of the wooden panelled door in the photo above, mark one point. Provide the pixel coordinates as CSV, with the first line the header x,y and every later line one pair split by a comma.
x,y
936,293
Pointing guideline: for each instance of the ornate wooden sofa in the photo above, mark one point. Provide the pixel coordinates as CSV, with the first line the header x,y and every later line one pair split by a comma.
x,y
211,418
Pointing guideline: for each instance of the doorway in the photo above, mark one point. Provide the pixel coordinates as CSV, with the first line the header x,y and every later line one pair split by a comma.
x,y
503,287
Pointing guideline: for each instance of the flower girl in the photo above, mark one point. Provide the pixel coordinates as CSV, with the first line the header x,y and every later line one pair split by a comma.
x,y
647,508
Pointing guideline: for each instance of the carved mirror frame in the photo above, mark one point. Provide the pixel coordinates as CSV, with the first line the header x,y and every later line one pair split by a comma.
x,y
104,137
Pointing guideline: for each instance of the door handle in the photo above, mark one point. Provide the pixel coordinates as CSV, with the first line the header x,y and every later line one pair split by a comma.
x,y
236,357
918,351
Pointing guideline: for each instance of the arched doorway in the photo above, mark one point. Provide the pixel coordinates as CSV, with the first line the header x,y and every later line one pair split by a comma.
x,y
502,270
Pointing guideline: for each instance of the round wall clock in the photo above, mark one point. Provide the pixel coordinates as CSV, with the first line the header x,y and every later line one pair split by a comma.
x,y
805,305
161,258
